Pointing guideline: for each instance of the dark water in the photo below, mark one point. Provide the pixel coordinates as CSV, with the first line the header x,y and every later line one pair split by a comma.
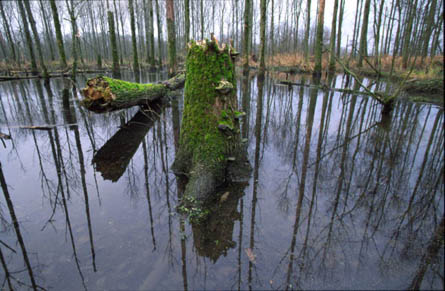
x,y
339,197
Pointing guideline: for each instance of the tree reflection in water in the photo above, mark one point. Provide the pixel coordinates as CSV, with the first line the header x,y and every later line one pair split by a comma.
x,y
340,196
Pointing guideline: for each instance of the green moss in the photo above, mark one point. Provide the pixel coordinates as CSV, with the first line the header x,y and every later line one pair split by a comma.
x,y
195,210
239,114
200,138
125,91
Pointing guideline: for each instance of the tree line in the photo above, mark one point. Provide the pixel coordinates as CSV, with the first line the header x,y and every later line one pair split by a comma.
x,y
138,33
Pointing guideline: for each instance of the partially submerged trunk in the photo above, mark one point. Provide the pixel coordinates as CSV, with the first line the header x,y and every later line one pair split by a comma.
x,y
210,145
104,94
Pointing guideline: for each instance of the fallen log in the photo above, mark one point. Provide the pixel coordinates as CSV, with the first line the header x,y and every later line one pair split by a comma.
x,y
104,94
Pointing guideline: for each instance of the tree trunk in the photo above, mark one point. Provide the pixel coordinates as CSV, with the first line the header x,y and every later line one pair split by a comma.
x,y
271,51
59,37
187,21
74,50
171,34
28,38
406,49
357,18
340,24
104,94
159,28
202,18
147,31
306,31
262,35
113,41
8,33
429,28
319,39
133,37
377,34
363,50
332,39
247,27
48,32
209,145
36,37
151,34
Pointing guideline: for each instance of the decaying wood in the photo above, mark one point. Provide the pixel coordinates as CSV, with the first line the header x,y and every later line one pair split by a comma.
x,y
210,138
104,94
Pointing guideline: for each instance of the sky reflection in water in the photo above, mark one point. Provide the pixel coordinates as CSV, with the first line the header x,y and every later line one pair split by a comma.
x,y
338,197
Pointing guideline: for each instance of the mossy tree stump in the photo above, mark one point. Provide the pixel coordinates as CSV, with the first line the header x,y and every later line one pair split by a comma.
x,y
209,142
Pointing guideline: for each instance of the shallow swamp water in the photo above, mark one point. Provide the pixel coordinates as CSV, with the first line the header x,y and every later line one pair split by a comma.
x,y
96,202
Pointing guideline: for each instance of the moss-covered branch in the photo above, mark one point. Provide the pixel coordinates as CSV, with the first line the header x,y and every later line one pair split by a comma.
x,y
103,94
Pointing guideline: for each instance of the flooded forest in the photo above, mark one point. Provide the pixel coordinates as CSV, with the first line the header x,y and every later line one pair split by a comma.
x,y
222,145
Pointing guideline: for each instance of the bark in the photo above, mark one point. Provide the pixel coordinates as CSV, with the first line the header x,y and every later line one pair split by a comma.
x,y
263,35
8,33
147,31
133,37
124,46
377,35
388,38
158,19
271,34
104,94
187,20
247,27
151,34
319,38
28,38
210,139
429,28
356,29
74,50
306,32
36,37
48,32
202,19
113,41
363,51
407,37
59,37
171,34
340,24
332,40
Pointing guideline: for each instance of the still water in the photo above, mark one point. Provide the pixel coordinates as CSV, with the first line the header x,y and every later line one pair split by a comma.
x,y
338,198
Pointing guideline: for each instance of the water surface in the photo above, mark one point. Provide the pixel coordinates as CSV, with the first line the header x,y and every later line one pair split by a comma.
x,y
339,196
